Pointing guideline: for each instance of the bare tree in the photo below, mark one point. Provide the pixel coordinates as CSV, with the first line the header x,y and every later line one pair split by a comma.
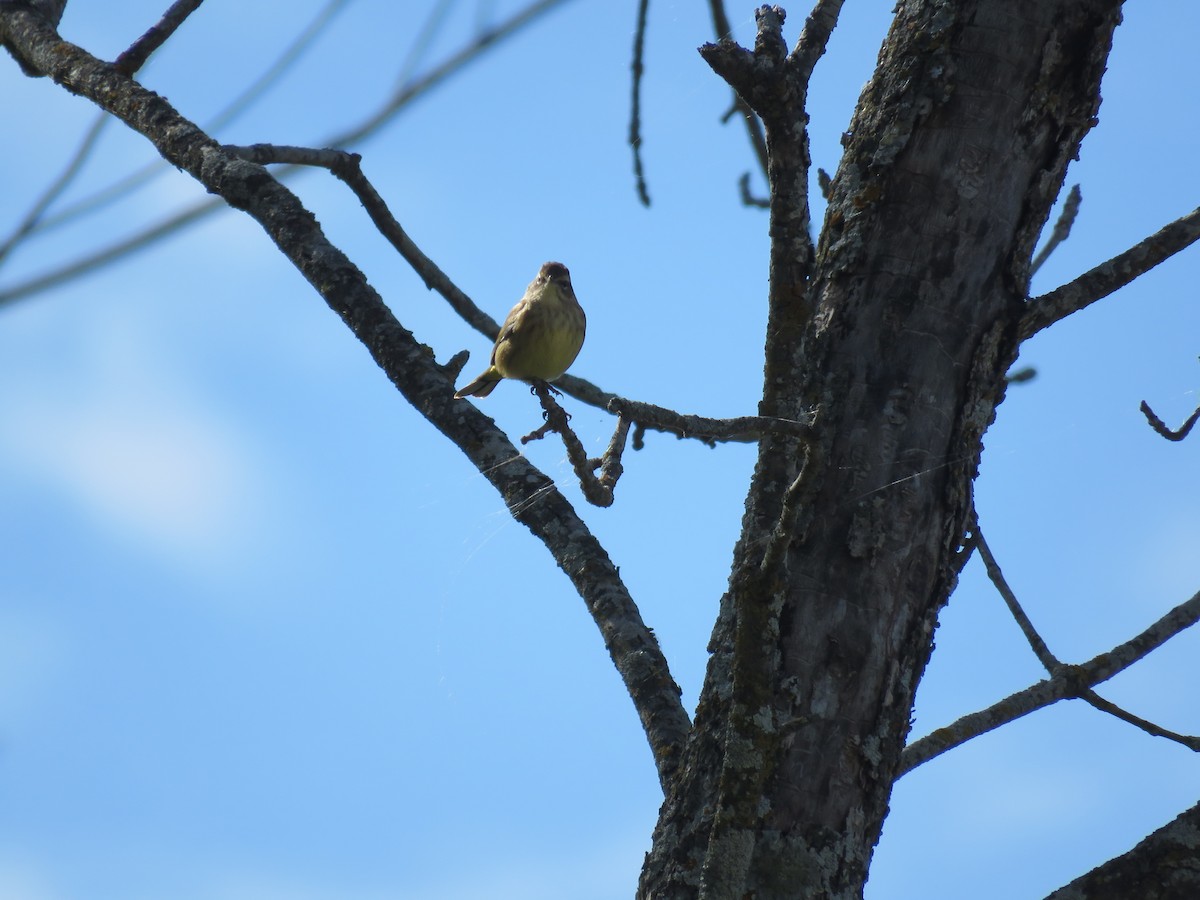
x,y
888,348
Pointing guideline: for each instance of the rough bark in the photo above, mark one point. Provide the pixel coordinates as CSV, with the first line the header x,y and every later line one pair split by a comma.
x,y
1164,866
898,332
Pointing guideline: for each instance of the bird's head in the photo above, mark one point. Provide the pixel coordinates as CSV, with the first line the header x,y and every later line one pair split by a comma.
x,y
555,273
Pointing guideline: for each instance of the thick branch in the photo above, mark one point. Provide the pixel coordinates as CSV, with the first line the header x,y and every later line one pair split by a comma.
x,y
1109,276
532,498
1163,866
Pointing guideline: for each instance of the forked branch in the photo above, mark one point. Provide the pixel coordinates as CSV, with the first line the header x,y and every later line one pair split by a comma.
x,y
1067,682
1050,661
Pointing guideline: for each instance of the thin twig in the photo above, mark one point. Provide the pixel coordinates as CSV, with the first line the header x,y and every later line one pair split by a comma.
x,y
748,199
111,253
1109,276
1067,682
1161,427
435,76
635,112
754,129
74,166
347,167
139,51
1062,228
1190,741
1040,650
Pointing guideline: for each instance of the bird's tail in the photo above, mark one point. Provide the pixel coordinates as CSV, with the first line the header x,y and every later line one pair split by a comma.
x,y
481,386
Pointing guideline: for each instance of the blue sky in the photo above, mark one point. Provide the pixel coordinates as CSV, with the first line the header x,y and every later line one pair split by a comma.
x,y
265,634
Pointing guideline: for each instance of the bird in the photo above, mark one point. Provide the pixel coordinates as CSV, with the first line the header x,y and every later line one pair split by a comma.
x,y
540,337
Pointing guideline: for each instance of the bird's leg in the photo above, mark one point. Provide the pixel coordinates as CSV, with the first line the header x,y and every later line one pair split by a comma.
x,y
544,390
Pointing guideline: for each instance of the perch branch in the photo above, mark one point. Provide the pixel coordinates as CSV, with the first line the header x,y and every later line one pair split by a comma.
x,y
347,167
743,429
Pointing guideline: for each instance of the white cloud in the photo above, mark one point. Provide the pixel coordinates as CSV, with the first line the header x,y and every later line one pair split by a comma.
x,y
140,454
22,880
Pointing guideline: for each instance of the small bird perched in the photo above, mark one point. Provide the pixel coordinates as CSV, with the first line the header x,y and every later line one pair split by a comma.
x,y
541,336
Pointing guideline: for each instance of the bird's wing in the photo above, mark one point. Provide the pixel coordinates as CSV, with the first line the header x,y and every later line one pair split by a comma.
x,y
512,324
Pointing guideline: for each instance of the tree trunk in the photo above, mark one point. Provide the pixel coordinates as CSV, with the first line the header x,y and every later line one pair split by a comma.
x,y
897,333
